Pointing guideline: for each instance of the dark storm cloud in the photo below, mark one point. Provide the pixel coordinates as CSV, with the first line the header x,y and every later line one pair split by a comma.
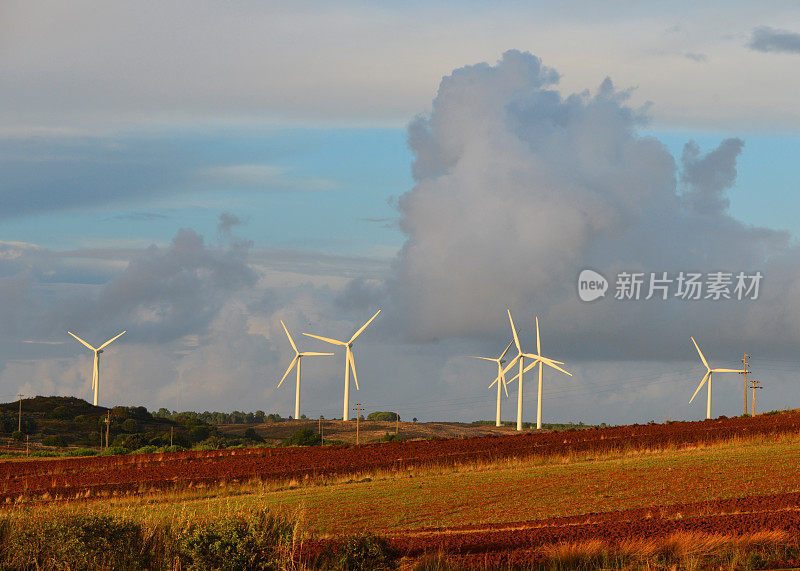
x,y
766,39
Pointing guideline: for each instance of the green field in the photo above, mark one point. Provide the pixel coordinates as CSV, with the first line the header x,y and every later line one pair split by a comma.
x,y
505,492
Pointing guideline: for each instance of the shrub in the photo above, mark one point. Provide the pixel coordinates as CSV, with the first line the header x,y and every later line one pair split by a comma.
x,y
365,551
114,451
129,425
305,436
384,416
261,541
149,449
251,434
199,433
53,440
74,542
17,435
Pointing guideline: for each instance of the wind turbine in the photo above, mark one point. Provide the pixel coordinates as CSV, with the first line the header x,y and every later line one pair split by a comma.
x,y
298,357
96,367
349,363
539,361
522,369
500,377
707,376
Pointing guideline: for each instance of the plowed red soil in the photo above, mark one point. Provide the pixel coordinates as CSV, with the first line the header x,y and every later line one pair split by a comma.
x,y
76,477
520,543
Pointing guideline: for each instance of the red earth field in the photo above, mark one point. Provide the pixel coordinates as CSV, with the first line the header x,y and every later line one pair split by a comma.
x,y
517,543
69,478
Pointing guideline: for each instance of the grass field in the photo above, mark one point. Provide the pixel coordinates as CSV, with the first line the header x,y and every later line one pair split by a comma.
x,y
489,494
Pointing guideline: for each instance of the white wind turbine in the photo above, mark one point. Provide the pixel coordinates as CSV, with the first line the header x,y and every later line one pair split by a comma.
x,y
540,360
96,366
298,357
707,376
349,363
522,369
501,377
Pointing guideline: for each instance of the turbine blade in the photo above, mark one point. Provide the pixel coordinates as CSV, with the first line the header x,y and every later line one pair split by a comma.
x,y
326,339
700,353
505,388
538,342
352,361
81,340
514,331
484,358
313,354
363,327
503,354
550,364
110,340
548,359
290,337
511,363
530,366
727,370
700,386
497,379
291,366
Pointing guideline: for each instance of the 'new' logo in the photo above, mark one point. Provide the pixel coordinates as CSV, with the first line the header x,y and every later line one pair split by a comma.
x,y
591,285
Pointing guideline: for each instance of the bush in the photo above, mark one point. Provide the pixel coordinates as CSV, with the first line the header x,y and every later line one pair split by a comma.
x,y
82,452
114,451
199,433
74,542
149,449
365,551
391,437
305,436
53,440
251,434
262,541
17,435
129,425
384,416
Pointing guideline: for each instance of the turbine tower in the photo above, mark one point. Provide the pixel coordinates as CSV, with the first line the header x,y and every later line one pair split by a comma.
x,y
500,377
298,357
539,361
707,376
96,366
522,369
349,363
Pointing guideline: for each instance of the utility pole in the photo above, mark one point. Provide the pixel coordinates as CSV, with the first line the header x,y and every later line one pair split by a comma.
x,y
171,433
754,384
108,426
321,429
744,372
19,428
397,423
358,418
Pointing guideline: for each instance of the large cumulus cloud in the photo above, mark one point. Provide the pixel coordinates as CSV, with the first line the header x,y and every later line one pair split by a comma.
x,y
519,187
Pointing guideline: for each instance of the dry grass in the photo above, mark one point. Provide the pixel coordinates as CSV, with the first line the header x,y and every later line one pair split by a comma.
x,y
679,550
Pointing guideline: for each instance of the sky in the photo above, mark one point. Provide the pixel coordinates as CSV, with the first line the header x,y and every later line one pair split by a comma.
x,y
195,173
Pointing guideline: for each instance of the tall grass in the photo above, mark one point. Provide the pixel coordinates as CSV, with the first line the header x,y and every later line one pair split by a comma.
x,y
679,550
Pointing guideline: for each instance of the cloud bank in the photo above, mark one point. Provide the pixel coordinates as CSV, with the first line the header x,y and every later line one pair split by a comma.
x,y
519,188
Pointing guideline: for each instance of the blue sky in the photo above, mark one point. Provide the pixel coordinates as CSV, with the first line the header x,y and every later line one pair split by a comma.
x,y
198,174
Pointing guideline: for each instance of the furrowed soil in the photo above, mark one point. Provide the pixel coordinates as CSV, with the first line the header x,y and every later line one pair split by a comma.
x,y
496,501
